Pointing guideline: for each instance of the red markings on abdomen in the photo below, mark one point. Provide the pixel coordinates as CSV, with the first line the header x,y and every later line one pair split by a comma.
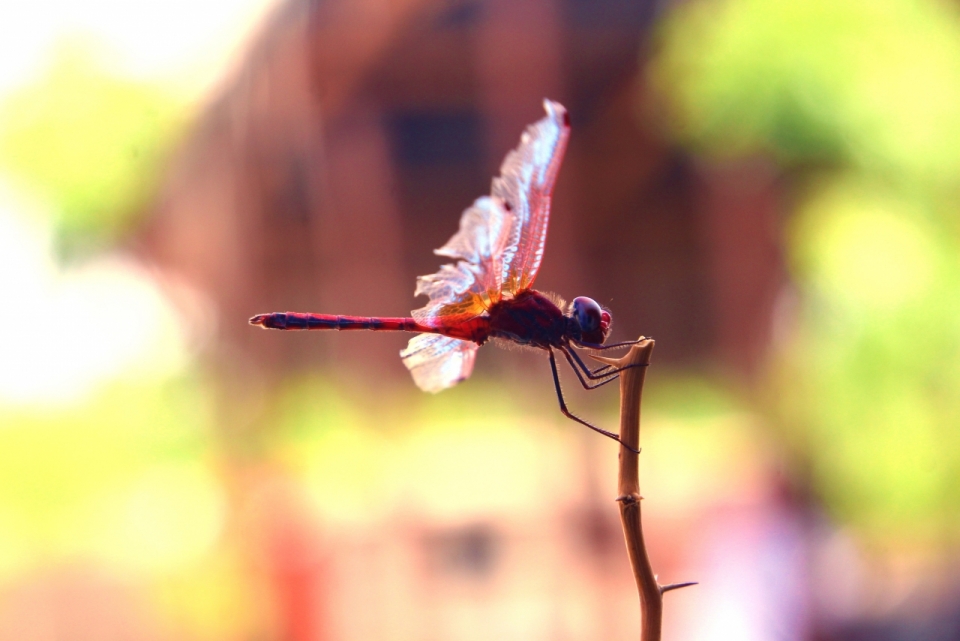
x,y
475,329
299,321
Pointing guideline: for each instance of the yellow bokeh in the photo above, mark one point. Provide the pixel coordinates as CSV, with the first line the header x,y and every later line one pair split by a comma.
x,y
864,250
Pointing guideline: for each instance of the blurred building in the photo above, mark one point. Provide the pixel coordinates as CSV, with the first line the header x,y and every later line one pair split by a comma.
x,y
336,157
351,135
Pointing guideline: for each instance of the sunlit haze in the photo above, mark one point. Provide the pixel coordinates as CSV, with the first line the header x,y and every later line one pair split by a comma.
x,y
63,329
188,44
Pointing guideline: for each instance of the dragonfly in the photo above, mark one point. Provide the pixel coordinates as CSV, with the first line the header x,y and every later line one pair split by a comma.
x,y
487,293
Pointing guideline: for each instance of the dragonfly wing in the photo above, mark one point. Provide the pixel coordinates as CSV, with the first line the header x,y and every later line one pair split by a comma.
x,y
500,242
438,362
524,187
467,288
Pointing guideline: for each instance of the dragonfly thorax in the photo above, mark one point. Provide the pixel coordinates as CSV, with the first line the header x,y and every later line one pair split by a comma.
x,y
592,320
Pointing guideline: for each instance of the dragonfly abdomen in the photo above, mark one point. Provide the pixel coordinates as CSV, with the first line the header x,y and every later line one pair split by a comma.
x,y
300,321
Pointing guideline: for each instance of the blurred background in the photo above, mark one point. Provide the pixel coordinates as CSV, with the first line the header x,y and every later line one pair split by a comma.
x,y
768,189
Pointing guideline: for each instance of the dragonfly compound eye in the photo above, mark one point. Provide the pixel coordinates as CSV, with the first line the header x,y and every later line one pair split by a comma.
x,y
588,314
606,318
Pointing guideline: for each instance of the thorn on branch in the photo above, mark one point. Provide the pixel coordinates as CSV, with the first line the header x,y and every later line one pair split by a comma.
x,y
676,586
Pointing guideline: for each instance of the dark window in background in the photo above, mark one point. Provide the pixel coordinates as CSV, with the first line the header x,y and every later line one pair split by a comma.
x,y
602,47
470,552
459,15
429,138
439,156
619,14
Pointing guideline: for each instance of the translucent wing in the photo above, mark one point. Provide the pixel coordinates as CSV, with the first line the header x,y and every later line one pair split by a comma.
x,y
438,362
500,242
466,289
524,187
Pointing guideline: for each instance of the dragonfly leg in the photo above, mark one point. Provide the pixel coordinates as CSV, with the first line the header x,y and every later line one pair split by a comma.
x,y
597,374
570,415
599,380
600,372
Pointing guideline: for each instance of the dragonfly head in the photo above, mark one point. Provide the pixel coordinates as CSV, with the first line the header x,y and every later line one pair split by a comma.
x,y
593,320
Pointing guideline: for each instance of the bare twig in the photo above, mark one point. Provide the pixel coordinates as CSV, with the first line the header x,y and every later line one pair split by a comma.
x,y
631,388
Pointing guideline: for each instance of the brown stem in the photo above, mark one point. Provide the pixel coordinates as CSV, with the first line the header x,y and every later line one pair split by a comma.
x,y
631,388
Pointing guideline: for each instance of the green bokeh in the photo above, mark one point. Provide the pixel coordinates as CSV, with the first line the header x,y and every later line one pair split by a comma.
x,y
90,143
858,103
66,471
860,82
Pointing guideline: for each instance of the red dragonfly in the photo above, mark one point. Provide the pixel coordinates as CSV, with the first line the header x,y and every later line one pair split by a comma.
x,y
486,294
